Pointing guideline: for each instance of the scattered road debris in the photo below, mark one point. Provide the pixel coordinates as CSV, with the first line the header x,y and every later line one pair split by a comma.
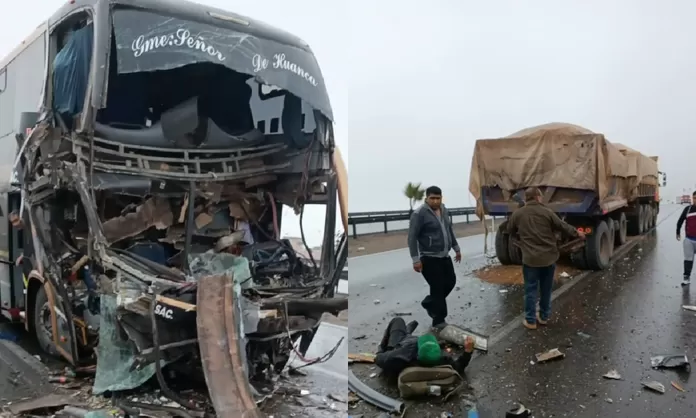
x,y
377,301
457,335
677,386
585,336
549,355
564,275
612,374
655,386
689,307
609,400
49,401
373,397
361,358
519,411
674,361
402,314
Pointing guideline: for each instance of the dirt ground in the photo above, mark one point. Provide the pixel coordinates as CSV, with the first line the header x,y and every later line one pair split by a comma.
x,y
507,275
379,242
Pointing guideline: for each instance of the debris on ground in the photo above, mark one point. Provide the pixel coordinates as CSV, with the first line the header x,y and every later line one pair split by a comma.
x,y
689,307
612,374
585,336
655,386
361,358
673,361
512,274
677,386
552,354
53,400
457,335
519,411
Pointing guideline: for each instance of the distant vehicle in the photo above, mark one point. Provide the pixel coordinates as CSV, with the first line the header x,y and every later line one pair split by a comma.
x,y
605,189
685,199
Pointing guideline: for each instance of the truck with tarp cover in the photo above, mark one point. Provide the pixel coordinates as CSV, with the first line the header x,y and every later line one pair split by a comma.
x,y
605,189
149,149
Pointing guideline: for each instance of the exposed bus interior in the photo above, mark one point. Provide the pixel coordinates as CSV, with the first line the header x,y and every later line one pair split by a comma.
x,y
182,176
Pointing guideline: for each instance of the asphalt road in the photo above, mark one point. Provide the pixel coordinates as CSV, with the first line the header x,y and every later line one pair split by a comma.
x,y
629,312
384,284
616,320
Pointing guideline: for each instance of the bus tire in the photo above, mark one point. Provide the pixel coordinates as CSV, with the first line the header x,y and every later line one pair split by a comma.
x,y
41,315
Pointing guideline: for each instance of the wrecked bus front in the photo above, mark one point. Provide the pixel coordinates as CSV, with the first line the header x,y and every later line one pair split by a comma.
x,y
155,205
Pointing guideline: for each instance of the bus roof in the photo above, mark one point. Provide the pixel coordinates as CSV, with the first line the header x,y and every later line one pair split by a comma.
x,y
176,8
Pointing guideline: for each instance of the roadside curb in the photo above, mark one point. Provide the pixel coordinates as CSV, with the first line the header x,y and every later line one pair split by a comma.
x,y
516,322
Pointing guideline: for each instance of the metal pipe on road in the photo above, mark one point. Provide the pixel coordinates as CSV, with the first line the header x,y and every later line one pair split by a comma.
x,y
373,397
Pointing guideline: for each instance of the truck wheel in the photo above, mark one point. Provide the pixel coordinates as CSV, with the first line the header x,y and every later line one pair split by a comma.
x,y
579,260
646,218
633,227
641,219
599,247
514,252
621,231
42,323
655,212
502,245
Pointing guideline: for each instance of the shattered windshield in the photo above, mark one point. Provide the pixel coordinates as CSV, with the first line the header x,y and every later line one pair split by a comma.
x,y
147,41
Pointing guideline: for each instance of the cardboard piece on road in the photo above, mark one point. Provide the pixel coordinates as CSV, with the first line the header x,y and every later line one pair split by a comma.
x,y
53,400
457,335
361,358
549,355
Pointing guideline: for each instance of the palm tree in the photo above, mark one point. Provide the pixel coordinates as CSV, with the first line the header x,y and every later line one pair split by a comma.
x,y
414,193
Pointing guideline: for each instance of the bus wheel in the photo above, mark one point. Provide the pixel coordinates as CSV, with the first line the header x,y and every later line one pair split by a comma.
x,y
42,323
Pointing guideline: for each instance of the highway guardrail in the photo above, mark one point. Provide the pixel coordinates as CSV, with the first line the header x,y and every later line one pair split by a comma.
x,y
384,217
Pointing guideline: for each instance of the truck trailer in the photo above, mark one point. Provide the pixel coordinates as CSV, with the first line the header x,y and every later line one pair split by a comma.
x,y
607,190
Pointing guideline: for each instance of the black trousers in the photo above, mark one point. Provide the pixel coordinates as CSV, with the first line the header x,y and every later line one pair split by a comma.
x,y
439,273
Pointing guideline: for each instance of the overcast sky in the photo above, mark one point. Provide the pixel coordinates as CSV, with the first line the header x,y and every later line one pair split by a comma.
x,y
428,79
322,24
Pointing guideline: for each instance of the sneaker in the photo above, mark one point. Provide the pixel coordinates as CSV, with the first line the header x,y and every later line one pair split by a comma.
x,y
541,321
528,325
686,282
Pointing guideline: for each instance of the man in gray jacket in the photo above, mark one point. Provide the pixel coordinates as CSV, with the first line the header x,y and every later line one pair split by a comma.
x,y
430,239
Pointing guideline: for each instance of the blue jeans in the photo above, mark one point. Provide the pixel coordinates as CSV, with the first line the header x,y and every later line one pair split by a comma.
x,y
537,279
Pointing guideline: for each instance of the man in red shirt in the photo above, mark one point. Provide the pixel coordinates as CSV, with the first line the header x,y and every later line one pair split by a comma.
x,y
688,216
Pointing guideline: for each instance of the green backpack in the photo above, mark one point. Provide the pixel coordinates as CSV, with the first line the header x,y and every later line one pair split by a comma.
x,y
416,382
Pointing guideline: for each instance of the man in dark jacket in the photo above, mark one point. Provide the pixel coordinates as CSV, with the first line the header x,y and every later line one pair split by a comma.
x,y
536,226
430,239
688,216
400,349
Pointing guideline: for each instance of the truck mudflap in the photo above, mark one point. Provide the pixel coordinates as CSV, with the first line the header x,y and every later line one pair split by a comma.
x,y
222,349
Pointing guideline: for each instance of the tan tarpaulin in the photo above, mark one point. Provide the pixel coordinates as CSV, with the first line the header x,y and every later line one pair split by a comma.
x,y
642,169
555,154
